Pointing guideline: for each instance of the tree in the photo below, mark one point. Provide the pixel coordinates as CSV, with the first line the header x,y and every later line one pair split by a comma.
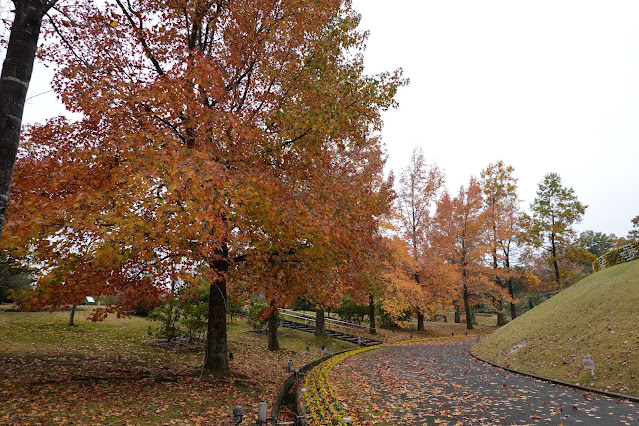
x,y
419,185
502,208
633,234
340,231
620,241
553,213
461,226
402,292
14,84
14,278
205,129
596,243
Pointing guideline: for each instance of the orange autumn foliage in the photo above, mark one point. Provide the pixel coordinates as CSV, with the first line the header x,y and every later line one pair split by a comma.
x,y
402,293
211,134
461,238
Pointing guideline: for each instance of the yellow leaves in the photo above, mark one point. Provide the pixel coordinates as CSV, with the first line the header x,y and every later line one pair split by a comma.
x,y
320,402
114,23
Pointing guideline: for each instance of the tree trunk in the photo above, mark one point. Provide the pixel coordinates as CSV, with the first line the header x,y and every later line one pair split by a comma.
x,y
555,261
457,314
513,310
500,313
420,315
500,304
320,325
273,343
371,314
169,326
469,318
420,321
72,315
14,83
216,356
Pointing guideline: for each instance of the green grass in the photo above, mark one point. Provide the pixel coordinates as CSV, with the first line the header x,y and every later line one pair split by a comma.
x,y
597,316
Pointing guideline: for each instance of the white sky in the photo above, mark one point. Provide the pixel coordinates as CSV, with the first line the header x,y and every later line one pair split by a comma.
x,y
545,86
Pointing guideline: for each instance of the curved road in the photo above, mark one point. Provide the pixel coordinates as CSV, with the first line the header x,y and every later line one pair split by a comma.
x,y
438,382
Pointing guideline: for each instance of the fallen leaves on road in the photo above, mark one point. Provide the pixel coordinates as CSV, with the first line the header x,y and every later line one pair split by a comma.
x,y
438,382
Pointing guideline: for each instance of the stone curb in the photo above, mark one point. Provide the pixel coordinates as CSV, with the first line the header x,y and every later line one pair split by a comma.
x,y
558,382
292,379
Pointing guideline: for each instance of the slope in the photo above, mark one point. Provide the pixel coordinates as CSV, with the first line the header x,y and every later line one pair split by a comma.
x,y
598,316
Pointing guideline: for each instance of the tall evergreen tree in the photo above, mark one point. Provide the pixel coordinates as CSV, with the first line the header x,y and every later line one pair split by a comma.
x,y
553,213
634,232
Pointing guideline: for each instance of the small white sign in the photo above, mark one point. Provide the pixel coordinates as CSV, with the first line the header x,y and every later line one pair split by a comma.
x,y
589,363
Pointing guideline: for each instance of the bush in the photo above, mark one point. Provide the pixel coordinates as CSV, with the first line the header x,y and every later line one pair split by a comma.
x,y
255,313
351,312
167,315
143,308
384,319
183,314
302,305
619,255
13,277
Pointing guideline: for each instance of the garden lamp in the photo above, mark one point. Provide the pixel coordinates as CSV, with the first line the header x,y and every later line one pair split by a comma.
x,y
238,414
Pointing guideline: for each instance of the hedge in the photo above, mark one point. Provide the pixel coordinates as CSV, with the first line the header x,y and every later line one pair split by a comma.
x,y
619,255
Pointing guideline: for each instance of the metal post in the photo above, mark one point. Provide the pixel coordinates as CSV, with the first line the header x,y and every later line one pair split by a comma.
x,y
261,413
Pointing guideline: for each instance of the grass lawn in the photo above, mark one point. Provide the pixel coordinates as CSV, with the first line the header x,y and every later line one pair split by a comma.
x,y
597,316
108,372
112,372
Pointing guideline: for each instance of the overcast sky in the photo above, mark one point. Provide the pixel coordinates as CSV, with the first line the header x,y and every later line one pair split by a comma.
x,y
545,86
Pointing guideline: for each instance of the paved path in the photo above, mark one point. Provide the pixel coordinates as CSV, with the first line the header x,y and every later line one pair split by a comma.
x,y
438,382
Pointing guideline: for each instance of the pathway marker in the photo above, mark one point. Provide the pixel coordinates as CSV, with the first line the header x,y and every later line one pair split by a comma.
x,y
589,363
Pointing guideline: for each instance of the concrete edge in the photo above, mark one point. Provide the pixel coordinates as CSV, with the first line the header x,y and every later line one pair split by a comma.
x,y
303,421
558,382
292,379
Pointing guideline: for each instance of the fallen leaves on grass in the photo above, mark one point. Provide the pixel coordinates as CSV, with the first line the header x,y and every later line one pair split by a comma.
x,y
65,379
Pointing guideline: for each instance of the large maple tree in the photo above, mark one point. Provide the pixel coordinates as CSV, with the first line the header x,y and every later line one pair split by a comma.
x,y
14,84
207,133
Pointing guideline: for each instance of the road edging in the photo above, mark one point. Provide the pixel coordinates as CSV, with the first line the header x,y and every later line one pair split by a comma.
x,y
558,382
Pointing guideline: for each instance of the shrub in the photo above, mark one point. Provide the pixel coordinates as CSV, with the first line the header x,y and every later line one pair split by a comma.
x,y
167,315
351,312
184,313
255,314
619,255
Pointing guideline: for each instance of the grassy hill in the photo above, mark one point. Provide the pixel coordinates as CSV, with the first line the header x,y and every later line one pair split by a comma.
x,y
599,316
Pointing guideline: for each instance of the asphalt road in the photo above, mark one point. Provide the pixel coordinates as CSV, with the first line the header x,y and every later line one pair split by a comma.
x,y
440,383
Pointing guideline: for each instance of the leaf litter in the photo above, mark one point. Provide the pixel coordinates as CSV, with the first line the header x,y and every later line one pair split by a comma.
x,y
438,382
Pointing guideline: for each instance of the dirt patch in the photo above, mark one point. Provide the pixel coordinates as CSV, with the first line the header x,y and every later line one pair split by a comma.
x,y
517,347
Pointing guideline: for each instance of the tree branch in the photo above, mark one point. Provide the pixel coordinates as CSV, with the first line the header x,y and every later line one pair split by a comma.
x,y
145,46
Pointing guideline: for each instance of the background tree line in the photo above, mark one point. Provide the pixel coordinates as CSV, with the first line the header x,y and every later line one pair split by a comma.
x,y
474,248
